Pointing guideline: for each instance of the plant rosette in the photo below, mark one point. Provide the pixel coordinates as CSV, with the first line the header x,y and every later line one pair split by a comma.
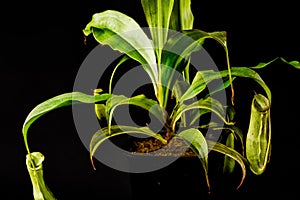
x,y
186,100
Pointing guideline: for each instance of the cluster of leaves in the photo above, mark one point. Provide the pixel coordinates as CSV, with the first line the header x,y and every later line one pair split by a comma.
x,y
173,41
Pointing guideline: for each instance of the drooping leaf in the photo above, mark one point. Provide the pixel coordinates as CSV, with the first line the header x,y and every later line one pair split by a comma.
x,y
229,163
181,45
258,140
250,73
202,78
182,17
140,100
210,104
196,114
58,102
123,59
293,63
122,33
238,135
178,89
263,64
236,72
219,36
34,165
221,148
200,82
177,52
105,133
226,83
198,144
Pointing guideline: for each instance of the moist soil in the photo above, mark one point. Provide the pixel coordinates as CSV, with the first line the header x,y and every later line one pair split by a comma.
x,y
175,147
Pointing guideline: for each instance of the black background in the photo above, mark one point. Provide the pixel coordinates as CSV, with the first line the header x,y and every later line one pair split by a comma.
x,y
42,48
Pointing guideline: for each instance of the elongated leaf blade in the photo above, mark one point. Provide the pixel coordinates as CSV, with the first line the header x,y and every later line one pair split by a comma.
x,y
229,163
199,83
202,78
122,60
293,63
210,104
178,89
58,102
140,101
238,135
181,45
198,144
103,134
245,72
178,49
182,17
263,64
221,148
122,33
250,73
258,140
158,13
226,83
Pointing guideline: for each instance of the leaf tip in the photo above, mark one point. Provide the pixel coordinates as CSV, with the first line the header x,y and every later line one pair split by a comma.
x,y
92,161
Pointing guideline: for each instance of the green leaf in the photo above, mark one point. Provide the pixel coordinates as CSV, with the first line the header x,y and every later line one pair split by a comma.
x,y
226,83
198,144
197,86
293,63
229,163
123,34
179,88
209,104
182,17
123,59
200,82
105,133
238,135
158,13
196,114
252,74
58,102
181,45
34,164
258,140
221,148
178,50
204,77
263,64
249,73
140,100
